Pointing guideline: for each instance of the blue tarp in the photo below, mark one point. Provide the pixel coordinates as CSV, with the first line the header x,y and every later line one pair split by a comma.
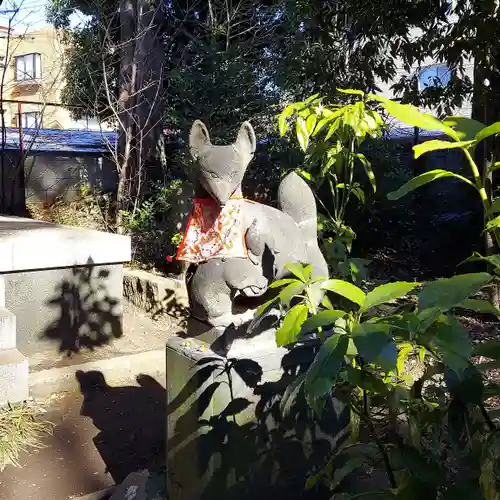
x,y
71,141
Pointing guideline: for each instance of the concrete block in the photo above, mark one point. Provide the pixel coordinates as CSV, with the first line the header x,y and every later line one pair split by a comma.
x,y
7,329
13,377
66,310
2,291
27,244
155,294
227,436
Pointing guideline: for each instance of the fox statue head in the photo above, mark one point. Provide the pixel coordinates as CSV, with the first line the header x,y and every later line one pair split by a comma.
x,y
221,168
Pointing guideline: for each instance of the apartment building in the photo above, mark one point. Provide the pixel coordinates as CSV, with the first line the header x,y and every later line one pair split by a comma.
x,y
33,79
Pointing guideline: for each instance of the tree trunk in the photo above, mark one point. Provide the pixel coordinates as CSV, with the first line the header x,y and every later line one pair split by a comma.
x,y
486,109
140,142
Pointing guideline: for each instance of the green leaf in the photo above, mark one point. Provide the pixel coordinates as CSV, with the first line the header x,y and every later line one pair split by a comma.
x,y
286,281
448,292
493,129
290,291
341,473
488,349
351,91
332,129
309,100
298,270
375,345
326,302
360,194
291,393
368,169
386,293
453,343
411,115
436,145
493,260
479,306
323,318
292,324
302,135
494,167
311,123
466,128
345,289
264,307
423,179
282,124
493,224
303,173
326,366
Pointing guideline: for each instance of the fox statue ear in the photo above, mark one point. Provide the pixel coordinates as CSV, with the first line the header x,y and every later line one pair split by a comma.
x,y
198,138
246,139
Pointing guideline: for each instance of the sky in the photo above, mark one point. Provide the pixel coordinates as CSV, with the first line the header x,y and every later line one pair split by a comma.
x,y
31,14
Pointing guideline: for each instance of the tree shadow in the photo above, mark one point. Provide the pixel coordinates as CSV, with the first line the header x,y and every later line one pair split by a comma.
x,y
88,316
235,434
131,422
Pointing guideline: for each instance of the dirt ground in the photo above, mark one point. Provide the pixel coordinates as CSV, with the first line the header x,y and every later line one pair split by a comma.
x,y
101,435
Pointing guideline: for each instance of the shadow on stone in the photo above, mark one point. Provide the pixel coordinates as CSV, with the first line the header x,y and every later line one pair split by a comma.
x,y
130,419
236,430
87,316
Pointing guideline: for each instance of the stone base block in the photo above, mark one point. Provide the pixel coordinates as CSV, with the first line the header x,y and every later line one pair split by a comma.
x,y
236,429
7,329
13,377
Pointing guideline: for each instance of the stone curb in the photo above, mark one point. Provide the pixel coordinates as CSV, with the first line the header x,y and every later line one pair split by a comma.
x,y
119,370
156,295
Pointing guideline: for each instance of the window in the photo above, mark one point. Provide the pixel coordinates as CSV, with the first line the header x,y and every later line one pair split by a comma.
x,y
31,120
437,75
28,67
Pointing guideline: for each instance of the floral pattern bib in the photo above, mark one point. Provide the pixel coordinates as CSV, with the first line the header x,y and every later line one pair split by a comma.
x,y
214,231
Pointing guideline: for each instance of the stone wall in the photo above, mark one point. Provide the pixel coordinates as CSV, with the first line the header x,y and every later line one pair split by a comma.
x,y
53,175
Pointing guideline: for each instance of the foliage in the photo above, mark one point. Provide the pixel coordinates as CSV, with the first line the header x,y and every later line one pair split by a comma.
x,y
152,225
330,137
22,429
405,372
465,134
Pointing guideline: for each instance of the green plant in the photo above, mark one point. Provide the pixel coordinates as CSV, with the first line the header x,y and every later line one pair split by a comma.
x,y
331,136
151,225
21,429
465,134
404,370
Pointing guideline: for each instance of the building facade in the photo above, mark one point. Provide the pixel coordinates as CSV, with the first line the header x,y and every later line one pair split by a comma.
x,y
33,79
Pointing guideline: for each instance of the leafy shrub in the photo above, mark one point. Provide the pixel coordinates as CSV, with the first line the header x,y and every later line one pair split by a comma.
x,y
403,365
154,225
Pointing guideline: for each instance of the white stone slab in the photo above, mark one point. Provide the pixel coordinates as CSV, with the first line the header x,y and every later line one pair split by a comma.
x,y
7,329
27,245
13,377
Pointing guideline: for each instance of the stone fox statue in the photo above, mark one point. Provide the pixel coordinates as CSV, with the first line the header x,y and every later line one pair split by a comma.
x,y
273,237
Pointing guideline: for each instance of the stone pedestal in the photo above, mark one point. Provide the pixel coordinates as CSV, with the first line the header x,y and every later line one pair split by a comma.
x,y
231,431
13,365
60,288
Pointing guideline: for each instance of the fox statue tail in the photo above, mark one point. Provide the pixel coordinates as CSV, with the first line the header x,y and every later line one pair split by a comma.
x,y
296,199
